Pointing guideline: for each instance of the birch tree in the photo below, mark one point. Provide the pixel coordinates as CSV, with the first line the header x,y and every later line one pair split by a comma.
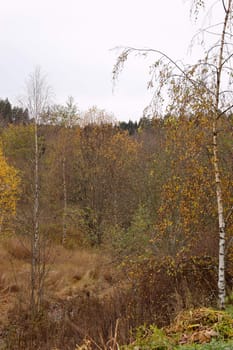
x,y
199,89
36,101
66,117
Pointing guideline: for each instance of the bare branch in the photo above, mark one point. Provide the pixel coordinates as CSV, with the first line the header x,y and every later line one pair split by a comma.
x,y
227,59
226,110
124,55
223,4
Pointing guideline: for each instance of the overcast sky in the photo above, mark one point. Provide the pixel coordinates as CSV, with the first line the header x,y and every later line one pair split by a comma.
x,y
72,40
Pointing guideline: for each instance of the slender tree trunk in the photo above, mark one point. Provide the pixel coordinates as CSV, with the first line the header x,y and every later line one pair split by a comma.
x,y
36,102
219,195
36,237
114,205
1,222
64,225
221,221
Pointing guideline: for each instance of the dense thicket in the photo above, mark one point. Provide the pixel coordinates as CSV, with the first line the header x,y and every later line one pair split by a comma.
x,y
154,185
145,193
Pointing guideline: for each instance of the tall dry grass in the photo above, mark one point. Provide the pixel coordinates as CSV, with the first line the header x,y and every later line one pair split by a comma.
x,y
87,297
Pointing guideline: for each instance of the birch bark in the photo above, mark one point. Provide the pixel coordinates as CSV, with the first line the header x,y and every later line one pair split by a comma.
x,y
219,195
36,103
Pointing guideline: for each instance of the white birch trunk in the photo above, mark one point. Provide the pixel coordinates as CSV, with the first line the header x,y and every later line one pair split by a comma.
x,y
221,222
37,99
36,237
219,195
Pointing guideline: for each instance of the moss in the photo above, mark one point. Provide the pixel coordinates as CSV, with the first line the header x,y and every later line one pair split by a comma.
x,y
201,329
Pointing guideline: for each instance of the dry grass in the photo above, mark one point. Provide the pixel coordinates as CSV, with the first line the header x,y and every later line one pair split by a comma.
x,y
84,298
76,279
69,273
79,270
18,248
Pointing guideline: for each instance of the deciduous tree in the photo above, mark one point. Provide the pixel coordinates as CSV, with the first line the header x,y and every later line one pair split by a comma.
x,y
9,190
36,101
202,88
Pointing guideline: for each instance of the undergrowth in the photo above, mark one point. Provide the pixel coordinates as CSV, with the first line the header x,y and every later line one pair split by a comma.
x,y
87,295
200,329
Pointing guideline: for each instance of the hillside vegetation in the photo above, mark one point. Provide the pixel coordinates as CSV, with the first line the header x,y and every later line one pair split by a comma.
x,y
128,232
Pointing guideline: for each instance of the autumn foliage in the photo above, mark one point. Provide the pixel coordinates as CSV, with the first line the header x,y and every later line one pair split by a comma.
x,y
9,190
145,199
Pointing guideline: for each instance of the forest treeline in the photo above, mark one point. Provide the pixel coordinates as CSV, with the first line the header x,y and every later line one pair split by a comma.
x,y
145,187
142,193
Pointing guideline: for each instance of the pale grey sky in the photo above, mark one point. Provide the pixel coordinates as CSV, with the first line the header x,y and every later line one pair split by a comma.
x,y
72,40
